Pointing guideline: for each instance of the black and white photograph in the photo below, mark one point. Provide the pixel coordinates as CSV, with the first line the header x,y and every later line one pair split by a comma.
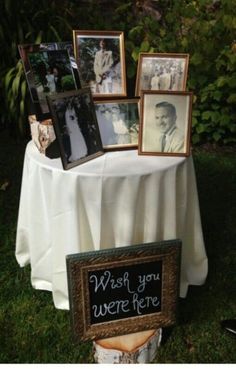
x,y
52,72
118,122
100,58
76,127
161,72
165,123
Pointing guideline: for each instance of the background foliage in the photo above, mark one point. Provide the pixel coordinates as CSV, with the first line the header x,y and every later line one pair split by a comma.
x,y
203,28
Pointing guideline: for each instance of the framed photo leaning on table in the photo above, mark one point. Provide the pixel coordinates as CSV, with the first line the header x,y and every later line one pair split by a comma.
x,y
161,72
76,126
118,122
100,58
51,71
25,49
165,123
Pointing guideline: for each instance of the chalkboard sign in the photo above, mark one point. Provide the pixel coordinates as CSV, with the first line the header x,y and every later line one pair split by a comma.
x,y
123,290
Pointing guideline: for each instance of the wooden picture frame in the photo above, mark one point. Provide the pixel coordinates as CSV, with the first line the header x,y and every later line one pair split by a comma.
x,y
161,71
40,107
123,290
100,57
165,123
118,122
76,126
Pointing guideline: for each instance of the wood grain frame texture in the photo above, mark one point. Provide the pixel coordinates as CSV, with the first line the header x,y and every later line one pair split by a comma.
x,y
79,265
104,34
188,124
163,56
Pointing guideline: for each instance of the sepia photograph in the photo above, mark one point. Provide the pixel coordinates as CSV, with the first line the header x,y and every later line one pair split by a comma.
x,y
165,123
161,72
118,122
76,126
100,58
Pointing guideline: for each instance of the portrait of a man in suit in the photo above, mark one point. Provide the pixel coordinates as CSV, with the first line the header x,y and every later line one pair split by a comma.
x,y
165,125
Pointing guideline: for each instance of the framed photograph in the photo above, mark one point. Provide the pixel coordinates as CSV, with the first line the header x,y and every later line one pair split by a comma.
x,y
165,123
76,126
118,122
100,58
44,63
161,72
123,290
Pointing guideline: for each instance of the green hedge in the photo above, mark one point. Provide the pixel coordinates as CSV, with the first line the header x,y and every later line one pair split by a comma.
x,y
203,28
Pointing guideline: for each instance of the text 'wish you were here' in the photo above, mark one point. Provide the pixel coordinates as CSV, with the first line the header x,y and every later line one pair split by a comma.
x,y
126,291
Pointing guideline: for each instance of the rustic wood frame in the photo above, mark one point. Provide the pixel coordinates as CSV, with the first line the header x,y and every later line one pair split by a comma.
x,y
158,59
147,128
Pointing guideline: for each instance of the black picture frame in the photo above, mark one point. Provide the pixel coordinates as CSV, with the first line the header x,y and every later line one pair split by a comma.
x,y
123,290
40,108
76,126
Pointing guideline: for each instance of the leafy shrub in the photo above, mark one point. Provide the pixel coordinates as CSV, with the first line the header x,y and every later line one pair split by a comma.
x,y
67,83
203,28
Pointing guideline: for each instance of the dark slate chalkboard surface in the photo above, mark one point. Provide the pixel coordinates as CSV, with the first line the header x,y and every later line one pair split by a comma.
x,y
123,290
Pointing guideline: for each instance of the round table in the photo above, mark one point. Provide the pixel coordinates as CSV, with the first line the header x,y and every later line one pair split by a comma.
x,y
117,199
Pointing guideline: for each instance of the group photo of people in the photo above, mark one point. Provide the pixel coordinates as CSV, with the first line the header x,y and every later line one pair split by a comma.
x,y
99,59
52,72
161,73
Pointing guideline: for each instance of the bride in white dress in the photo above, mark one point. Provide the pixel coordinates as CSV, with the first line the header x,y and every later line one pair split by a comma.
x,y
78,145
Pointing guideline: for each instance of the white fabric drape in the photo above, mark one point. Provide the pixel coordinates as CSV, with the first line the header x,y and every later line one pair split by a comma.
x,y
117,199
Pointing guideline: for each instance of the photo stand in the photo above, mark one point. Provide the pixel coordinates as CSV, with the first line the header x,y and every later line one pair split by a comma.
x,y
124,349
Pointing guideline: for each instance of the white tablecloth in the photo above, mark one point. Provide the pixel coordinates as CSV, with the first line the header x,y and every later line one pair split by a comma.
x,y
117,199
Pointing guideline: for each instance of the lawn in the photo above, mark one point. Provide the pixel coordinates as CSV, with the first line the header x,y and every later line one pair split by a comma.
x,y
33,331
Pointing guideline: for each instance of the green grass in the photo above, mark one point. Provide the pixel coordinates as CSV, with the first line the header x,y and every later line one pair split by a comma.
x,y
33,331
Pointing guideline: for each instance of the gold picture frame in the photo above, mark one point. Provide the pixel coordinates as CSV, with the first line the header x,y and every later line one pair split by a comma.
x,y
161,71
100,57
165,123
123,290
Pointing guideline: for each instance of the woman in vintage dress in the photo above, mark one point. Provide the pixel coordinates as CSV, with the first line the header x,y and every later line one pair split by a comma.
x,y
78,146
120,128
50,81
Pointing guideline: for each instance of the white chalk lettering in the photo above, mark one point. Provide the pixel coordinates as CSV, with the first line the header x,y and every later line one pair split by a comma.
x,y
143,303
112,308
144,279
107,279
103,282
